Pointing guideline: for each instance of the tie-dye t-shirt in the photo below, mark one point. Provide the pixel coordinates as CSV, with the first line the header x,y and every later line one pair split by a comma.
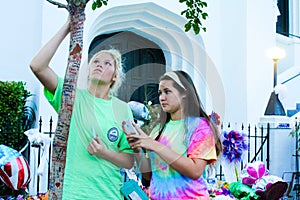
x,y
166,183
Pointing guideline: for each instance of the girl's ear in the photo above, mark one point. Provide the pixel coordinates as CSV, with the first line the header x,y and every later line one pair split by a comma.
x,y
114,77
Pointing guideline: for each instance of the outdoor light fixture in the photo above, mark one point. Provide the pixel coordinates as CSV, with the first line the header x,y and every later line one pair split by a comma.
x,y
274,105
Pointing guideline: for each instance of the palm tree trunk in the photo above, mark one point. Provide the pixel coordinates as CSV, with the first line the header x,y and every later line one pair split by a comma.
x,y
69,89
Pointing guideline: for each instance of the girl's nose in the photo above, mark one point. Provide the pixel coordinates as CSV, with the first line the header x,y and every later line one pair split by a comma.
x,y
99,65
162,96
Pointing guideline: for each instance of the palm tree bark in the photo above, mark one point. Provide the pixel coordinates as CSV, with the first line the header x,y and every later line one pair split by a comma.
x,y
77,16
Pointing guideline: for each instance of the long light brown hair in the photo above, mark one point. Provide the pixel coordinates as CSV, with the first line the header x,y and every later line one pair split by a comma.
x,y
191,106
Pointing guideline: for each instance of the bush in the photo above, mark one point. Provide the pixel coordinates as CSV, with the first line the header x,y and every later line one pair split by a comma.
x,y
13,97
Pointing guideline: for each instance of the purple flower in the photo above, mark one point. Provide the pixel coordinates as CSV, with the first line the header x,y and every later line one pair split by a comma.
x,y
225,191
234,145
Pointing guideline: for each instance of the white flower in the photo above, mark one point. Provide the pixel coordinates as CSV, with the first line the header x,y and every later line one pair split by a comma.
x,y
281,90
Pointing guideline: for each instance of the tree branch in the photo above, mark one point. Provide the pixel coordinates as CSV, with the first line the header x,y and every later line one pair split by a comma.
x,y
60,5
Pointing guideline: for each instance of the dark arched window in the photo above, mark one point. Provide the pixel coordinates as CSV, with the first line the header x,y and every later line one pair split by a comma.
x,y
144,63
282,25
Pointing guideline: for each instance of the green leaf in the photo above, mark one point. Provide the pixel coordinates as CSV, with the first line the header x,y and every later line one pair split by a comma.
x,y
204,3
193,13
188,15
196,28
188,26
94,6
197,21
204,15
189,4
99,4
201,5
199,10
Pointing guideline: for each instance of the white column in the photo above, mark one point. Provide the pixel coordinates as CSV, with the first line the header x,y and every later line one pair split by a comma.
x,y
294,16
282,144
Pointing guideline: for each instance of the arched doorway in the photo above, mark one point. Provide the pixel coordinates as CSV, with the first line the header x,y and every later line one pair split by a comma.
x,y
144,63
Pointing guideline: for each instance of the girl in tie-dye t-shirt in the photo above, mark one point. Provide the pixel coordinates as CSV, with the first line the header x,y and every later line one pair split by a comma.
x,y
184,141
166,182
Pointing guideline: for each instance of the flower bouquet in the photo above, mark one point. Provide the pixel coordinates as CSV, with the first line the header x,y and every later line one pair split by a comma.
x,y
234,147
255,183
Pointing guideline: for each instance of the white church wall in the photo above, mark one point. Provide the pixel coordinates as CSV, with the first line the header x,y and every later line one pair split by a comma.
x,y
21,24
238,35
261,23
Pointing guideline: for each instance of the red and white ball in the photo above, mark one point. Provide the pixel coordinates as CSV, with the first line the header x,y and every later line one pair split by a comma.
x,y
15,173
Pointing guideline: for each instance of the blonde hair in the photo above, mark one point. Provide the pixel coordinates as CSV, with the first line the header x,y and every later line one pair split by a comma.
x,y
120,75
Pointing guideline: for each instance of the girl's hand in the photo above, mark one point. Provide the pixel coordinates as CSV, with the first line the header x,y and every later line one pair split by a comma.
x,y
132,133
139,130
96,147
143,141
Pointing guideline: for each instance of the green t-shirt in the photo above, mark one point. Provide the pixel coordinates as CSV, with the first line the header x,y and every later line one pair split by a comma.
x,y
86,176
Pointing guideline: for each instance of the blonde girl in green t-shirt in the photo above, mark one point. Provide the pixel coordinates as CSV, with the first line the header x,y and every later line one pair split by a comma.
x,y
97,147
